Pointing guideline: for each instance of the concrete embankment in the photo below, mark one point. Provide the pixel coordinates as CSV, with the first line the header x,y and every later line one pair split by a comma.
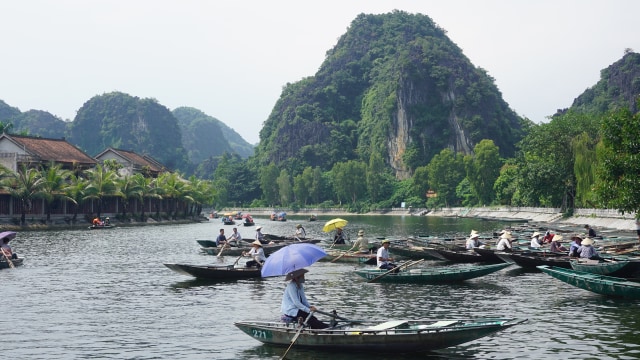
x,y
602,219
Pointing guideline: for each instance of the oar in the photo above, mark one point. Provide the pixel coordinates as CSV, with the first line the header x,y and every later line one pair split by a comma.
x,y
405,265
336,259
295,337
238,259
8,260
221,250
333,314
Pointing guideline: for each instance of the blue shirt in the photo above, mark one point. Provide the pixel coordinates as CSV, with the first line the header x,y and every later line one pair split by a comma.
x,y
587,252
294,299
221,239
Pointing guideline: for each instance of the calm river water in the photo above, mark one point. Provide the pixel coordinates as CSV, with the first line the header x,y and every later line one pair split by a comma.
x,y
106,295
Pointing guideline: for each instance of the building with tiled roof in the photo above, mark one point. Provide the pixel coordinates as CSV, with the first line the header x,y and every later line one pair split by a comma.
x,y
16,150
132,163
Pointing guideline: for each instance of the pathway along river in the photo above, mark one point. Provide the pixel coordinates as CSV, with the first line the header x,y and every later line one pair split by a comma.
x,y
106,295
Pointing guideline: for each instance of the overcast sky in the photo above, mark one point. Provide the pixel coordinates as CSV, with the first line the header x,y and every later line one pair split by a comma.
x,y
231,59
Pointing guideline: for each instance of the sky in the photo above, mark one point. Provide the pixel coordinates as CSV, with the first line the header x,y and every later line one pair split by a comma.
x,y
231,59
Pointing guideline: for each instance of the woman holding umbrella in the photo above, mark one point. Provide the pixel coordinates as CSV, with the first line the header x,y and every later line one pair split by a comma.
x,y
295,303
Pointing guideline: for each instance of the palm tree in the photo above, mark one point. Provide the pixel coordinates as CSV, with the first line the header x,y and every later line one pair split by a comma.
x,y
148,190
25,185
55,184
129,189
201,192
101,184
173,188
76,192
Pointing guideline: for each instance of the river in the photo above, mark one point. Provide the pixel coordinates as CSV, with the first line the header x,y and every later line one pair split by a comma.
x,y
105,294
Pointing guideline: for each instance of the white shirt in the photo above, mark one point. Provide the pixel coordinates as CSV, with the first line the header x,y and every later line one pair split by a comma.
x,y
503,243
257,254
235,236
382,253
535,243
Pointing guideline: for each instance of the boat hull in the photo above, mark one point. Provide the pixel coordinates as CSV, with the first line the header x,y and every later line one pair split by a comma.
x,y
410,336
5,265
434,275
600,284
533,261
215,272
623,269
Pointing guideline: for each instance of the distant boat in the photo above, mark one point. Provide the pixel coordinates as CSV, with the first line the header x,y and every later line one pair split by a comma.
x,y
101,227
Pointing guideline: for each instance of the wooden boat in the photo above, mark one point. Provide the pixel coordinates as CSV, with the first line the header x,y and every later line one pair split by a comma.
x,y
399,336
313,217
489,254
600,284
465,256
227,221
237,251
350,257
533,259
226,272
416,252
101,227
622,268
248,222
433,275
5,265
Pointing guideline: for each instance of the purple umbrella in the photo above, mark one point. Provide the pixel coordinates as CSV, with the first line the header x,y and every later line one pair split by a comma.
x,y
7,234
292,257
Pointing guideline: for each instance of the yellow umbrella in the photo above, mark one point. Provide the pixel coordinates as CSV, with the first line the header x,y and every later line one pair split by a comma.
x,y
334,224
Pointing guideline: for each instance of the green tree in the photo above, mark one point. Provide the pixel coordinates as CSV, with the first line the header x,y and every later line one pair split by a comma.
x,y
619,156
349,180
446,171
284,187
25,185
268,183
483,168
584,168
56,181
130,188
101,183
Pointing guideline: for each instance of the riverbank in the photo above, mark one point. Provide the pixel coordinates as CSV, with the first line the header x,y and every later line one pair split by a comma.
x,y
601,220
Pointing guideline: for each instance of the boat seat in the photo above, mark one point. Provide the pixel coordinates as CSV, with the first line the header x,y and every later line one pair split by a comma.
x,y
441,323
386,325
415,271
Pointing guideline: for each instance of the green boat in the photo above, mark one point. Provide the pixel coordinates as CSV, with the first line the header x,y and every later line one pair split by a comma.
x,y
350,257
433,275
618,268
600,284
396,336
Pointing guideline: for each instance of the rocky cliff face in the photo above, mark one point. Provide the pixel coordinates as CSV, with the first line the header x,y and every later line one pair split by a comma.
x,y
396,85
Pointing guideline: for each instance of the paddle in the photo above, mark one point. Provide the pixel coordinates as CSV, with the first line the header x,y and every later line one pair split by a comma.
x,y
221,250
333,314
8,260
405,265
295,337
336,259
238,259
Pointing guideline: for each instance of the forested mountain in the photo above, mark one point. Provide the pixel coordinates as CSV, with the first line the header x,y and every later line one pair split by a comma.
x,y
394,86
204,136
40,123
122,121
619,86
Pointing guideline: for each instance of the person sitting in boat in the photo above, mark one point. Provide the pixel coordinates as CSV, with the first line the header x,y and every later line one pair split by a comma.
x,y
294,301
107,221
301,233
576,242
556,245
6,249
221,240
536,242
473,241
257,255
361,243
591,233
384,260
260,236
338,238
96,222
548,236
235,237
504,244
587,251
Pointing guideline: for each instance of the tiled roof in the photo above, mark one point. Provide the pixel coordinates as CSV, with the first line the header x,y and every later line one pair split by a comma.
x,y
140,160
57,150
